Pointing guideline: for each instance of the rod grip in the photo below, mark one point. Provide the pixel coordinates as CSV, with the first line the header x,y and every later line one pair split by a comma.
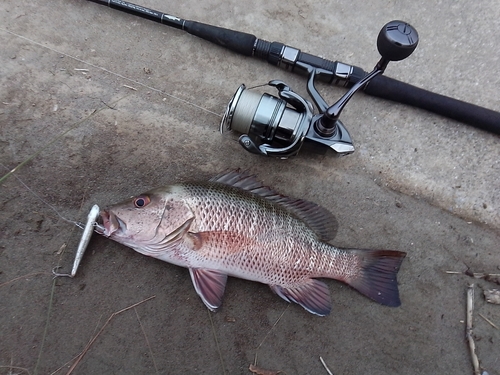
x,y
236,41
400,92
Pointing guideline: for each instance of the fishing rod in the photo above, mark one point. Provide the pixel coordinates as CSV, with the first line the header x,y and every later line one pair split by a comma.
x,y
278,126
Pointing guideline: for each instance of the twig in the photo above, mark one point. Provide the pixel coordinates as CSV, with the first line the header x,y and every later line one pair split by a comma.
x,y
261,371
325,366
130,87
493,277
87,347
469,334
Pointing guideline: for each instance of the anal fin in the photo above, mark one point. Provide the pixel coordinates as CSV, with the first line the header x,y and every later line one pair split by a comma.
x,y
313,296
209,285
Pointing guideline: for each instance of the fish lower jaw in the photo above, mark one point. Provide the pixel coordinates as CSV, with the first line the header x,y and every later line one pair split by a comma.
x,y
110,223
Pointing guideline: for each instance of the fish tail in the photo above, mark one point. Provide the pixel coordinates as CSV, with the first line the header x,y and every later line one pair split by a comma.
x,y
376,275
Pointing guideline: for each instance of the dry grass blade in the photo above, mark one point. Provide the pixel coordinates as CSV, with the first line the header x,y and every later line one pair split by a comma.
x,y
87,347
217,342
147,341
23,277
489,321
24,370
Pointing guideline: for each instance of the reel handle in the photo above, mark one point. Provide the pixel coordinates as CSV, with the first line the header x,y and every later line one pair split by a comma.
x,y
396,41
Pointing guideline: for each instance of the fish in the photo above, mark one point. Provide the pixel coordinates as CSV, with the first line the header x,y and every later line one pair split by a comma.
x,y
233,225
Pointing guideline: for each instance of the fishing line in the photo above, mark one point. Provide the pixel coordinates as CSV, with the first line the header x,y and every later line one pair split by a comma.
x,y
113,73
268,332
77,223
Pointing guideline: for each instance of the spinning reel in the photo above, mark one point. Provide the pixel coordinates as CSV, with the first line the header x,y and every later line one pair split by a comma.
x,y
278,126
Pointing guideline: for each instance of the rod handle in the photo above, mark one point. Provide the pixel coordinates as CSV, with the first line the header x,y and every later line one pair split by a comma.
x,y
236,41
388,88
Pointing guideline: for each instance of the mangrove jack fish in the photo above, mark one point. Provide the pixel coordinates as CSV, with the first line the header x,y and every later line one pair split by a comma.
x,y
232,225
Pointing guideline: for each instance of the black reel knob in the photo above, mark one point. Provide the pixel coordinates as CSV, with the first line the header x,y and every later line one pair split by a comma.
x,y
397,40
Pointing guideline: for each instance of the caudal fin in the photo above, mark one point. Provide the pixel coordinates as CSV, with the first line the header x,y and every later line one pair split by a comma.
x,y
377,277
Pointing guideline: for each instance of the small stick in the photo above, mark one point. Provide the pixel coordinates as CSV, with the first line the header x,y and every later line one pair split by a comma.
x,y
84,241
492,277
261,371
325,366
470,338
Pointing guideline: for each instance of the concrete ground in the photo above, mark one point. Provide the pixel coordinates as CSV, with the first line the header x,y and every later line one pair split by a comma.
x,y
417,182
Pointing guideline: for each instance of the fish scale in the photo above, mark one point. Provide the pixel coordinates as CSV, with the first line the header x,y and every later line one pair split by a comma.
x,y
234,226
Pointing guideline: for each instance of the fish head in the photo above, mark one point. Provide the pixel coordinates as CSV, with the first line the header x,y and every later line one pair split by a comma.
x,y
147,222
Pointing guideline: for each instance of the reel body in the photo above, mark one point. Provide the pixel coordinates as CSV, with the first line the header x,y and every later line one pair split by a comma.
x,y
278,126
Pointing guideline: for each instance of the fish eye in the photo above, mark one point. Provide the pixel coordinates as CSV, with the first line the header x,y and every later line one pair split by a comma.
x,y
142,201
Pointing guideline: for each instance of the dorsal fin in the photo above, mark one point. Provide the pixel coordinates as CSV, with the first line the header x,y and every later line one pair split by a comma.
x,y
318,218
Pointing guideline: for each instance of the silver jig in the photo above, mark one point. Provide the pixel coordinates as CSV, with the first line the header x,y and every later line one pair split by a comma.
x,y
84,241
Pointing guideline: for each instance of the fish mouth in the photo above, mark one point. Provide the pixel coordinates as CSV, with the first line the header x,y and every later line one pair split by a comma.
x,y
109,224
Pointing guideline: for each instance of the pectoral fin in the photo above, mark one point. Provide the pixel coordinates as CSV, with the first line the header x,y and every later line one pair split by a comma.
x,y
209,285
313,296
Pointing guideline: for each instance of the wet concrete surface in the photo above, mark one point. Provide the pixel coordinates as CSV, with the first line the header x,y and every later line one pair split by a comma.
x,y
117,105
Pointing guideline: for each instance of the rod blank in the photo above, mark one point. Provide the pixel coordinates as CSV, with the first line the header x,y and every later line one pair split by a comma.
x,y
382,86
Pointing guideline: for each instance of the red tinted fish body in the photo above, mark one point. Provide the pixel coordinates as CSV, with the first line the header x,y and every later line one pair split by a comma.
x,y
234,226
